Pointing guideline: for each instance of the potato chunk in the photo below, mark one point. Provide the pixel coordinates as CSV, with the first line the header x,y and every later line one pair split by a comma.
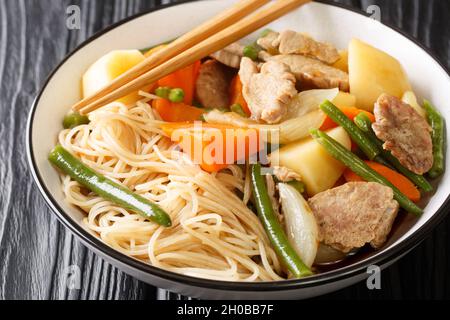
x,y
373,72
109,67
319,171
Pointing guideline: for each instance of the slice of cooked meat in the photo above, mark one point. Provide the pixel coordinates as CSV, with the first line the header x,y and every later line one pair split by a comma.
x,y
268,92
314,74
212,85
267,42
230,56
291,42
264,56
354,214
284,174
404,132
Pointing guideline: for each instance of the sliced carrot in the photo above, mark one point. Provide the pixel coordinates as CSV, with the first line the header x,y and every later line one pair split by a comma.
x,y
237,96
398,180
350,112
214,147
185,79
176,112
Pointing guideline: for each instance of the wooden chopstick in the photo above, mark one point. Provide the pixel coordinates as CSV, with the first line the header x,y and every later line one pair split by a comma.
x,y
200,33
200,50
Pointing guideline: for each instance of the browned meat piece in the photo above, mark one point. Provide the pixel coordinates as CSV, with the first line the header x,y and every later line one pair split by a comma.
x,y
291,42
269,92
230,56
267,42
354,214
404,132
314,74
213,85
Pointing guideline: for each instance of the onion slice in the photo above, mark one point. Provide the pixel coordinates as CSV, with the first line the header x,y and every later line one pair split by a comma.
x,y
301,226
310,100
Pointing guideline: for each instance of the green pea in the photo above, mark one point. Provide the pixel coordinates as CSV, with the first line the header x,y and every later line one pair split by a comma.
x,y
176,95
251,52
163,92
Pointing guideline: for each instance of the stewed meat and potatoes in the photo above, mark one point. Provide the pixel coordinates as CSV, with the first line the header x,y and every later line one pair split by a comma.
x,y
261,162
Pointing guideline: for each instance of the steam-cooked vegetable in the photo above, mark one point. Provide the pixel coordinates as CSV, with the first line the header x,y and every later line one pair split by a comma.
x,y
203,143
296,129
184,79
350,112
310,100
342,63
297,185
437,123
176,95
364,123
73,120
319,171
344,100
251,51
301,226
109,67
340,153
401,182
163,92
373,72
410,98
367,146
176,112
236,95
273,228
106,188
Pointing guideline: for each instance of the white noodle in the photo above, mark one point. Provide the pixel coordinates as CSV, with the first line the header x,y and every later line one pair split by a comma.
x,y
214,235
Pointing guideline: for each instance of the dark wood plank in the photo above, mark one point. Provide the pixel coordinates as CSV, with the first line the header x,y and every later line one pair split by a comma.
x,y
35,250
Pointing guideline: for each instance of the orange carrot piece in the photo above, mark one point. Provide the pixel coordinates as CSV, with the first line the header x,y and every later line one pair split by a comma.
x,y
398,180
233,144
236,94
185,79
350,112
176,112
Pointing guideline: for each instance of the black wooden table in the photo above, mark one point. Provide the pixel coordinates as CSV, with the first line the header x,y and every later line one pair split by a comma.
x,y
36,251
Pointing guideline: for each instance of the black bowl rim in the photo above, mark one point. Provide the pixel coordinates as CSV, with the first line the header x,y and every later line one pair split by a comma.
x,y
91,241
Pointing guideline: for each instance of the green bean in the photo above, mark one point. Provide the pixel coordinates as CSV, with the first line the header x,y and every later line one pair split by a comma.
x,y
358,166
176,95
237,108
74,120
437,123
369,149
298,185
106,188
273,228
363,122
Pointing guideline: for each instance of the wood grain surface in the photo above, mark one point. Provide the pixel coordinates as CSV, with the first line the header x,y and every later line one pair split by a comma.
x,y
35,250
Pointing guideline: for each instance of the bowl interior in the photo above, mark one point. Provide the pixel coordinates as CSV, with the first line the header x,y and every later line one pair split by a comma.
x,y
323,22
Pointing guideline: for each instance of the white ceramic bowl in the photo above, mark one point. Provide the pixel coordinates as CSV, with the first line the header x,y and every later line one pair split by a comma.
x,y
324,22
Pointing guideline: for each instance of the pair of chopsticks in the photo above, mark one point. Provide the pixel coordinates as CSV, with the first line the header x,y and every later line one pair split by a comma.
x,y
213,35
